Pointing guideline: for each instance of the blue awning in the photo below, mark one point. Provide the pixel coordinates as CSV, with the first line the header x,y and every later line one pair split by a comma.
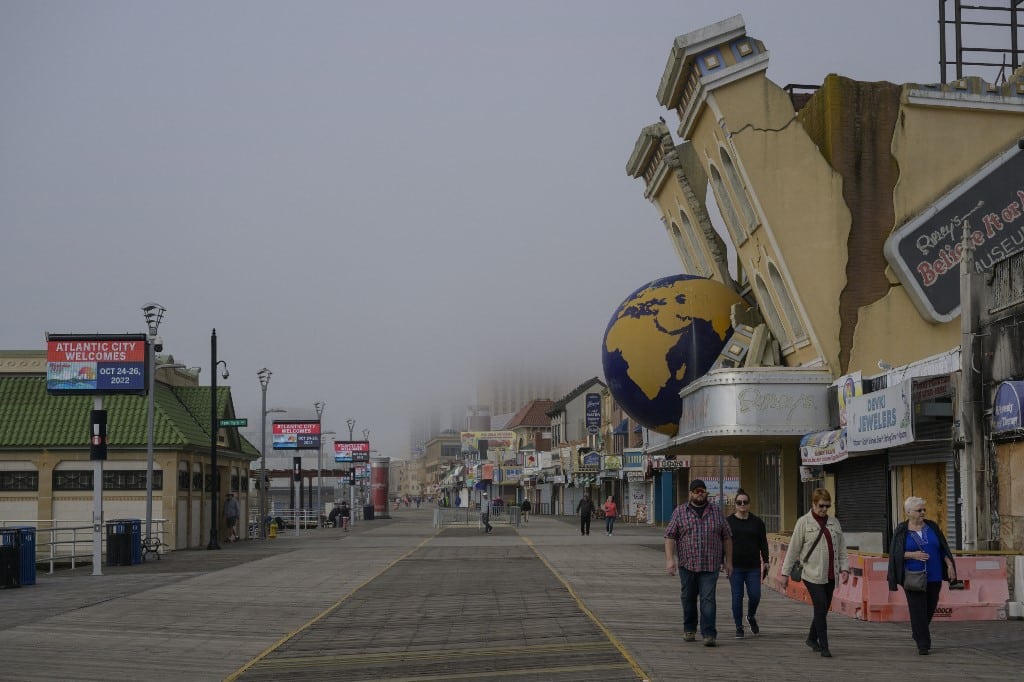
x,y
622,429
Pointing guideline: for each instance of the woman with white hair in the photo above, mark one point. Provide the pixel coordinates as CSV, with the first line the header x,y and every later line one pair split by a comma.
x,y
919,545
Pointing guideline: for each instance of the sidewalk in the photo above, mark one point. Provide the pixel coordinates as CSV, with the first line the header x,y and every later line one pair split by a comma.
x,y
398,599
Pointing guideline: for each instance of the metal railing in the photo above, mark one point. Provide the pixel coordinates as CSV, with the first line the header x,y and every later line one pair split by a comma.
x,y
59,543
287,519
461,516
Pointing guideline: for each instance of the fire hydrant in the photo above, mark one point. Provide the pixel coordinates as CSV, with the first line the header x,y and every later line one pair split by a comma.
x,y
272,530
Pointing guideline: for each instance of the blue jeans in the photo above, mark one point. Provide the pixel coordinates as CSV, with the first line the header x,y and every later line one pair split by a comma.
x,y
609,524
751,578
692,583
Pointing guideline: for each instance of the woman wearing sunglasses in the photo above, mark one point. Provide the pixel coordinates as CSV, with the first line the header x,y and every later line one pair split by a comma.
x,y
818,544
749,561
919,545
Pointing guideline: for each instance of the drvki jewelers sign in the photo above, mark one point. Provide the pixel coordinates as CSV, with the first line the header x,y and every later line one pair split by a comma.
x,y
96,364
879,420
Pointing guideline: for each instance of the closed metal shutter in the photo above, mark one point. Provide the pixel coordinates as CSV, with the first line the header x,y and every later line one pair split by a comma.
x,y
862,491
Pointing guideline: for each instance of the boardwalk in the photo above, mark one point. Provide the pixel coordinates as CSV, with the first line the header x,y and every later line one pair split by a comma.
x,y
399,600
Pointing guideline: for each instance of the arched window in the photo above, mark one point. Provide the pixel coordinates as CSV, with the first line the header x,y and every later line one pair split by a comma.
x,y
770,312
697,253
732,222
739,192
788,309
682,248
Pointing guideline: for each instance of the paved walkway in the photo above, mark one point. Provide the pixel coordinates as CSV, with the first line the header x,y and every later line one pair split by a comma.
x,y
397,599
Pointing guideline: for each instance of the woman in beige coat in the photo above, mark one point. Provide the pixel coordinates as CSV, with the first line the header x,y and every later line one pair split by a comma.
x,y
827,561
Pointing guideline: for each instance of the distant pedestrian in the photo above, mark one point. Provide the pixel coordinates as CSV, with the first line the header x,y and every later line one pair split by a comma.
x,y
919,545
525,508
485,513
345,514
749,562
822,563
611,510
585,509
698,543
458,500
231,513
334,518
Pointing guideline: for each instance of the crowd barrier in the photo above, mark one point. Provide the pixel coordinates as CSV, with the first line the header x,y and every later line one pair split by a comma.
x,y
866,595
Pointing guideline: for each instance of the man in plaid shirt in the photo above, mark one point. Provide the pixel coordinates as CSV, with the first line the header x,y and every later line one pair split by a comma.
x,y
697,540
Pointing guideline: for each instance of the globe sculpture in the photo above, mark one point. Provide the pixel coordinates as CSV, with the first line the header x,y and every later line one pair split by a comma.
x,y
663,336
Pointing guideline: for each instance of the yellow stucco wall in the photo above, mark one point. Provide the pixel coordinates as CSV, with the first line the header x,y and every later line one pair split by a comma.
x,y
806,221
935,148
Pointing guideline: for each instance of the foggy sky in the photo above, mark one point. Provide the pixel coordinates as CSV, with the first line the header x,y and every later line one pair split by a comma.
x,y
365,198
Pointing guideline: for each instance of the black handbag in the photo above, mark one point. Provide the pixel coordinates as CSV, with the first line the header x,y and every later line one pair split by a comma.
x,y
915,581
796,572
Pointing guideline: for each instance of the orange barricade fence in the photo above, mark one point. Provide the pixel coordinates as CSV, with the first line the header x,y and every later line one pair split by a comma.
x,y
866,595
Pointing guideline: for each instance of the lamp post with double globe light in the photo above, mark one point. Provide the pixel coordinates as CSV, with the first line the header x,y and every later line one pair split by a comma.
x,y
264,377
319,472
319,407
154,313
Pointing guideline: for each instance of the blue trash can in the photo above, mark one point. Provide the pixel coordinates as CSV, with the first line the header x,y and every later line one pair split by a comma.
x,y
135,533
27,541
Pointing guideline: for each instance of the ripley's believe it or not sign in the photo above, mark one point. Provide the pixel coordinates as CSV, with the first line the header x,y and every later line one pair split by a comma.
x,y
96,363
926,252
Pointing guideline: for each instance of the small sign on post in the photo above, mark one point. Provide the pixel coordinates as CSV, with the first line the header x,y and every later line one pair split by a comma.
x,y
223,423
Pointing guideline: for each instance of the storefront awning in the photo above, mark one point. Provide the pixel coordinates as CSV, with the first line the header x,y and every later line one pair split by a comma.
x,y
823,447
622,429
453,475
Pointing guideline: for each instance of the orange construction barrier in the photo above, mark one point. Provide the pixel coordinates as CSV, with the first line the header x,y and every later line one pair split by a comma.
x,y
866,595
984,596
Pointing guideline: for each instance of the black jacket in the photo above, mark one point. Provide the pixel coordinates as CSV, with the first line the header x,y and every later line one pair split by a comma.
x,y
585,507
896,549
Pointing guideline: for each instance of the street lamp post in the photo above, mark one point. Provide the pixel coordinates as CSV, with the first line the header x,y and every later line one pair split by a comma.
x,y
319,472
214,429
153,312
319,407
351,424
264,377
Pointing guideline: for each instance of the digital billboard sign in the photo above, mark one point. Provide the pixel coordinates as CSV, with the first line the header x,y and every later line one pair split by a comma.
x,y
296,435
351,451
96,364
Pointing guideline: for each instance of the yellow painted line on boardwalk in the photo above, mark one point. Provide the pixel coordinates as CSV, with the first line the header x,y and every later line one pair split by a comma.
x,y
590,614
330,609
434,655
508,672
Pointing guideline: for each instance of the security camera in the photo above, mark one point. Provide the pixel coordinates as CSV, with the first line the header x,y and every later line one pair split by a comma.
x,y
225,374
158,344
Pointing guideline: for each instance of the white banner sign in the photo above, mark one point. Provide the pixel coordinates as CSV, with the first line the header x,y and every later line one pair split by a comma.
x,y
879,420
